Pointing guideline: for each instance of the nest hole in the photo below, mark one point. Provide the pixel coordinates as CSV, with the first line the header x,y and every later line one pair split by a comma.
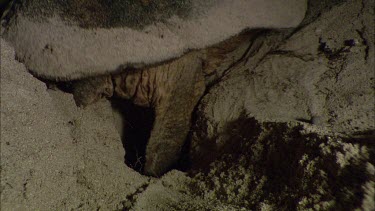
x,y
136,126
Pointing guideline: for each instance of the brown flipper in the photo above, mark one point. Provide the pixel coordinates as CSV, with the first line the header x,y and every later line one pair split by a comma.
x,y
180,85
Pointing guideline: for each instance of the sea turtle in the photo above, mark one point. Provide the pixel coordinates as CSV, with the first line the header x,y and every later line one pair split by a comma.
x,y
157,53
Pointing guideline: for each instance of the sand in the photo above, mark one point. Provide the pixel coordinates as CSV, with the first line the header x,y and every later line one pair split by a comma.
x,y
55,49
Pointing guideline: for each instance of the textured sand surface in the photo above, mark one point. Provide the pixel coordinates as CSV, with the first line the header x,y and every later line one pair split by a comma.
x,y
54,155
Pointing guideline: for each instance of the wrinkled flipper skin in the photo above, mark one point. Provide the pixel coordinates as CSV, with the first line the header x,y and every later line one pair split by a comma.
x,y
172,89
182,85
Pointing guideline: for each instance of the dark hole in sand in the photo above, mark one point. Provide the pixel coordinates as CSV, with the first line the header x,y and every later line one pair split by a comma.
x,y
137,123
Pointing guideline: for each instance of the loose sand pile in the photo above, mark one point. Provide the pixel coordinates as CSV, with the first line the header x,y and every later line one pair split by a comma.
x,y
54,155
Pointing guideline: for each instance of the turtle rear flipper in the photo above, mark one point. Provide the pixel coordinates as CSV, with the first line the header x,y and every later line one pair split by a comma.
x,y
89,91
